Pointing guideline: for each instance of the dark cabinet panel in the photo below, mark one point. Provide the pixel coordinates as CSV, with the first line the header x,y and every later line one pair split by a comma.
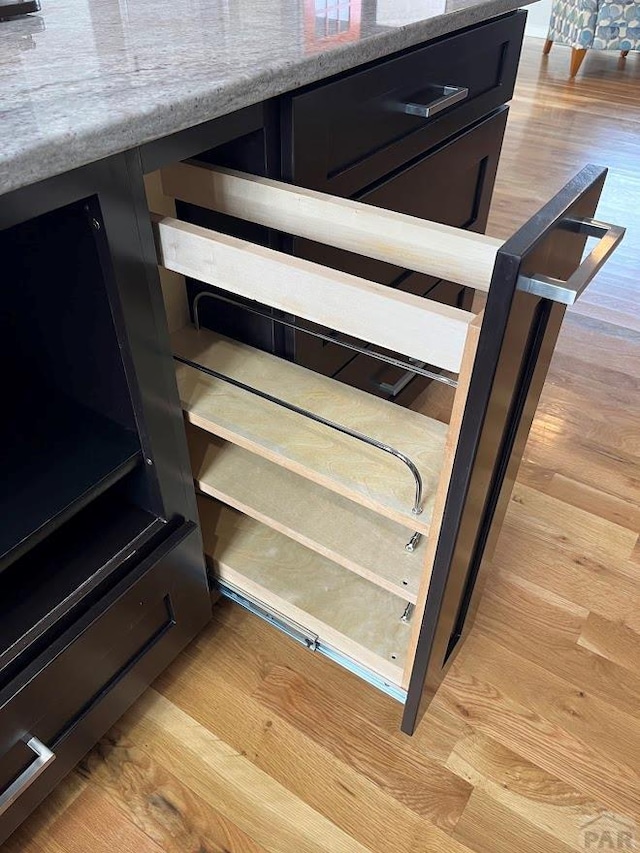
x,y
345,134
116,648
98,607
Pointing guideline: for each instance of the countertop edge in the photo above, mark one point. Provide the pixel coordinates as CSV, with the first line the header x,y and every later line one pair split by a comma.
x,y
37,163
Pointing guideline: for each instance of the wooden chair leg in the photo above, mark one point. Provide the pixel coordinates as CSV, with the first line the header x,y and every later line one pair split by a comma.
x,y
624,53
577,55
547,46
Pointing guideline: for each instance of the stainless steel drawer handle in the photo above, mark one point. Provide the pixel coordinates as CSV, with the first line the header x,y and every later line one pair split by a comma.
x,y
43,758
450,95
567,292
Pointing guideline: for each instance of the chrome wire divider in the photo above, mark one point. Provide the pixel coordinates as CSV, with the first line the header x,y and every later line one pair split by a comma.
x,y
333,338
387,448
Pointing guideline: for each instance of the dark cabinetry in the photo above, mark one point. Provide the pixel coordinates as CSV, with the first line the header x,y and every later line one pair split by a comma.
x,y
75,689
102,579
343,135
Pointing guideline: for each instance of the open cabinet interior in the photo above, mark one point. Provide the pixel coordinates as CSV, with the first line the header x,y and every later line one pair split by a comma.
x,y
356,525
75,498
319,502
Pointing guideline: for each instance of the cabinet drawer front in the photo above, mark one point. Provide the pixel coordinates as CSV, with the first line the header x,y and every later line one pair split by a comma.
x,y
140,617
350,132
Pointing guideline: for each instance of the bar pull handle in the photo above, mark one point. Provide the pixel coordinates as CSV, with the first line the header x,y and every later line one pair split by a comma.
x,y
569,291
450,95
43,758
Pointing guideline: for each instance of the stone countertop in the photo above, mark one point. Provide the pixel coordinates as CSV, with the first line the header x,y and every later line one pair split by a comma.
x,y
84,79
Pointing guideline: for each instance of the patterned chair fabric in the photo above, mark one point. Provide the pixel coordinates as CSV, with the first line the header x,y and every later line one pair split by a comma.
x,y
590,24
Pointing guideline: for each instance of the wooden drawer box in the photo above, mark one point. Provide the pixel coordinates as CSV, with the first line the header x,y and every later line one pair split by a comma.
x,y
348,133
95,668
358,527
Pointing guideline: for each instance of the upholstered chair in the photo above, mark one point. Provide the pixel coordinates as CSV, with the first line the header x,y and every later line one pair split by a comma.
x,y
590,24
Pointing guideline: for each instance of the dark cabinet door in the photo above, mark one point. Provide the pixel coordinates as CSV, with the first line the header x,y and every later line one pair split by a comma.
x,y
451,184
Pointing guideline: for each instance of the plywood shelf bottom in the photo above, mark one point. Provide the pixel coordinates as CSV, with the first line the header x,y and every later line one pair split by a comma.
x,y
338,462
357,618
343,531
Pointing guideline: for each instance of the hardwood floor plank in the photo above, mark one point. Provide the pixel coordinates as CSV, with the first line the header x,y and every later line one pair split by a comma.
x,y
524,788
93,823
339,791
593,500
489,827
166,810
545,721
567,527
613,641
34,835
546,630
420,784
607,588
230,783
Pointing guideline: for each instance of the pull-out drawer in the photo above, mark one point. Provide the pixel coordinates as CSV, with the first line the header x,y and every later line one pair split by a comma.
x,y
348,133
94,670
359,527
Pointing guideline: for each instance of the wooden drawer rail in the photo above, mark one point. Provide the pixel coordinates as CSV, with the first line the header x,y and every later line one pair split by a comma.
x,y
405,241
397,321
321,502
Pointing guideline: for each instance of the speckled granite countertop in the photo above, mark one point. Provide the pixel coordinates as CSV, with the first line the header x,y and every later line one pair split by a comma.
x,y
88,78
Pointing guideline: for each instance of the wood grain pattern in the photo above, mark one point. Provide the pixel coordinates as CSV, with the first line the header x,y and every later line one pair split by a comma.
x,y
173,284
338,789
615,642
451,446
394,319
227,781
421,785
347,612
158,802
341,463
339,529
396,238
93,823
558,617
521,787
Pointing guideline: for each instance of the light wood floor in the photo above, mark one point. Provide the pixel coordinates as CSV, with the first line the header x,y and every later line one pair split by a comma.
x,y
250,743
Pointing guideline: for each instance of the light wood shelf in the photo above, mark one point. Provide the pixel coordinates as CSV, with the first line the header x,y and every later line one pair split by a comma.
x,y
427,247
345,611
402,322
351,535
349,467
